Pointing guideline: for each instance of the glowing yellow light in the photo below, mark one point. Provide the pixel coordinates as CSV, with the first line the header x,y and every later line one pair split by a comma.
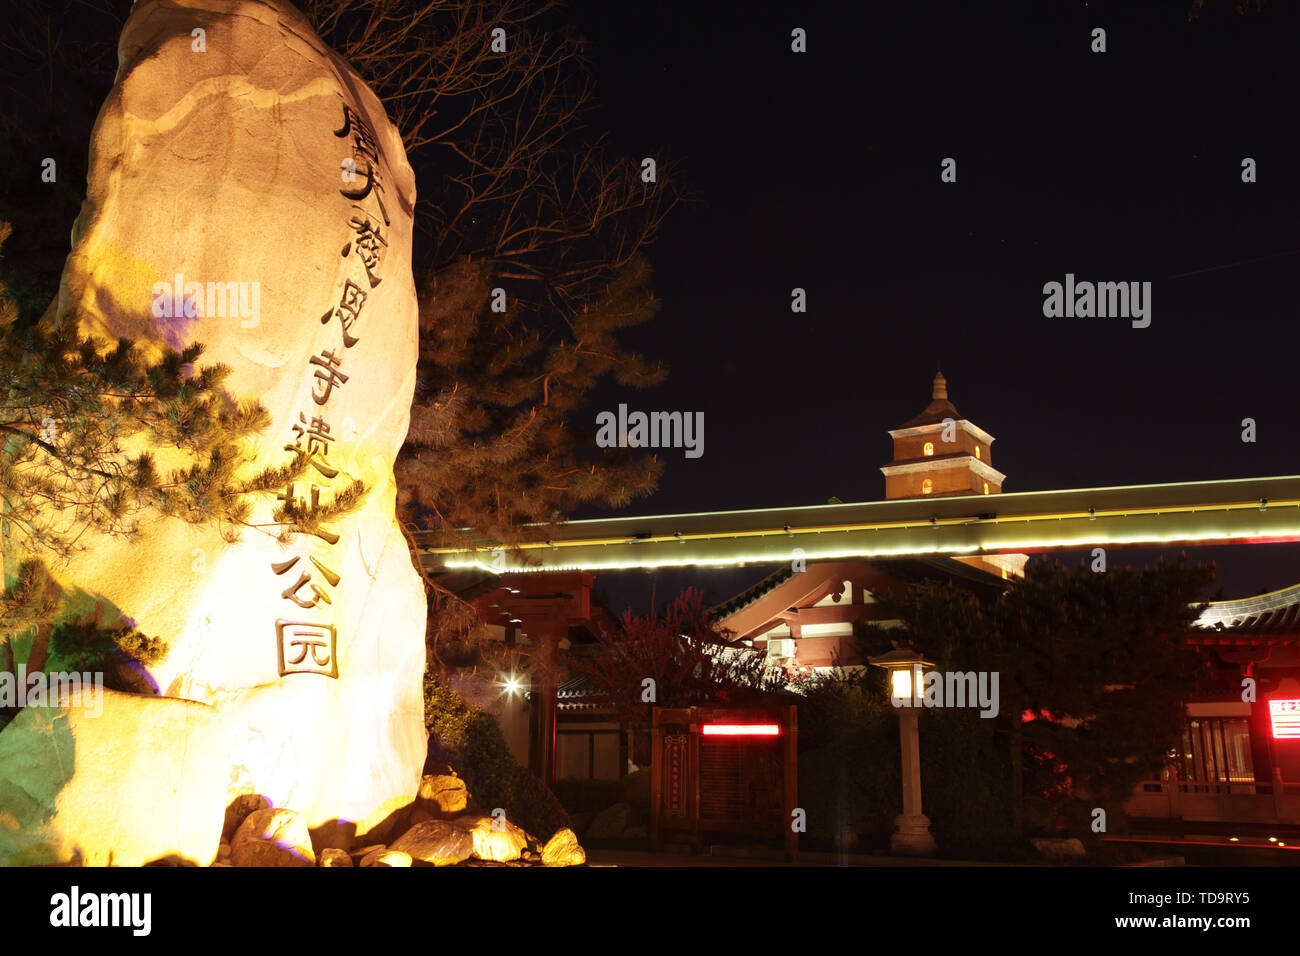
x,y
927,486
977,452
902,683
986,487
1052,517
1026,521
1232,840
929,448
1272,839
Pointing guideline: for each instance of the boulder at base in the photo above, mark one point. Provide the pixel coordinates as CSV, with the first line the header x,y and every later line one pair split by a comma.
x,y
382,857
334,857
437,842
238,810
442,793
562,849
495,840
144,780
609,823
276,837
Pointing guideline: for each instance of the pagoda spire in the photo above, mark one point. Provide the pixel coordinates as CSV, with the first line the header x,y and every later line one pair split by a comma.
x,y
940,388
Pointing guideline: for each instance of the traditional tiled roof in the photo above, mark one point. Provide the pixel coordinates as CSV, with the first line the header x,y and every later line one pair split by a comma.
x,y
938,566
939,409
928,459
753,593
903,569
1277,612
468,583
575,693
934,413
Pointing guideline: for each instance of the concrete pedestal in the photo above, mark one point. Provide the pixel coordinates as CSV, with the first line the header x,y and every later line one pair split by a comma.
x,y
912,836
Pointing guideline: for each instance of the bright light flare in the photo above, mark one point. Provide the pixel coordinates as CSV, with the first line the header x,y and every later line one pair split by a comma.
x,y
511,684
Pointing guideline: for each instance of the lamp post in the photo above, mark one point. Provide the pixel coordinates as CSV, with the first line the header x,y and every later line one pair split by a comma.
x,y
912,835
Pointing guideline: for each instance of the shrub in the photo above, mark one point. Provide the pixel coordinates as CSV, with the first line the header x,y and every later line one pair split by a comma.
x,y
848,762
966,786
849,771
579,796
470,741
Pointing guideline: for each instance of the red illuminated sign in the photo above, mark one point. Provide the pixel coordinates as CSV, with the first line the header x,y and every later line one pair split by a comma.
x,y
1286,717
749,730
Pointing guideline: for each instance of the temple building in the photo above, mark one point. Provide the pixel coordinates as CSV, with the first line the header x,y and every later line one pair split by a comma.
x,y
1237,771
807,618
804,617
940,453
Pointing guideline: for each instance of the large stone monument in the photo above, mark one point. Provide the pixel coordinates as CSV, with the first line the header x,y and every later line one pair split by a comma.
x,y
247,191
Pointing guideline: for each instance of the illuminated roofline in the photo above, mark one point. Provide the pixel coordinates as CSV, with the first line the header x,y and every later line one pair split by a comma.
x,y
899,525
859,504
967,426
1253,597
742,559
1252,510
935,463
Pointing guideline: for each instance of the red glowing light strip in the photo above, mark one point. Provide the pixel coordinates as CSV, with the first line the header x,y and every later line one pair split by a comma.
x,y
1286,718
742,730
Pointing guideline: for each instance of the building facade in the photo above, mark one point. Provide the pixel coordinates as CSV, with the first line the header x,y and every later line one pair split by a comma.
x,y
1238,767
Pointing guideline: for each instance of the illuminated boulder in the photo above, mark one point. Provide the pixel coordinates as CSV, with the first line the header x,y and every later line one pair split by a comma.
x,y
437,842
272,837
247,191
495,839
562,849
108,786
442,794
382,857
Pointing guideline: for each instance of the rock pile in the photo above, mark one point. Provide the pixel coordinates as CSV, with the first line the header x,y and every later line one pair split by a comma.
x,y
440,828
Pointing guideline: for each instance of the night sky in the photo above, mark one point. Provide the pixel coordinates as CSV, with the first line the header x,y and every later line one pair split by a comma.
x,y
822,171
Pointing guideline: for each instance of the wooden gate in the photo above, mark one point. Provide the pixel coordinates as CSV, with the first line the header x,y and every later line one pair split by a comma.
x,y
724,770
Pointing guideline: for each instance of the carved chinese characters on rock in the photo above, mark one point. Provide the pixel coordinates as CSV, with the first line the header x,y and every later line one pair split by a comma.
x,y
307,642
328,376
307,648
369,244
365,152
348,311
